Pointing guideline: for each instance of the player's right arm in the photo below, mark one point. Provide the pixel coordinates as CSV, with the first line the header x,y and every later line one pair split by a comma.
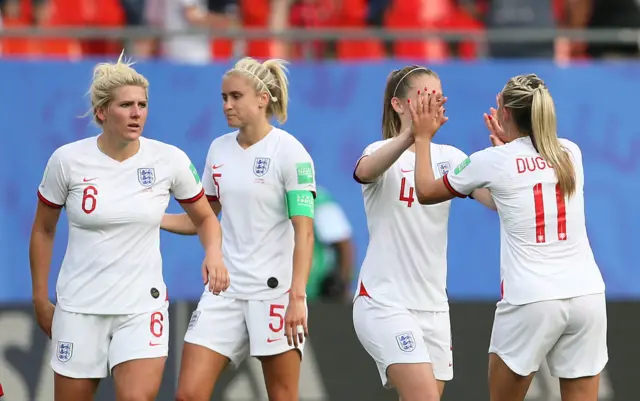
x,y
479,170
373,165
52,194
181,223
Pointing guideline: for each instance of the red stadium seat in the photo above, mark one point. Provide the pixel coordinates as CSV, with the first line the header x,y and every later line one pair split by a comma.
x,y
16,47
419,14
255,14
98,13
459,19
353,15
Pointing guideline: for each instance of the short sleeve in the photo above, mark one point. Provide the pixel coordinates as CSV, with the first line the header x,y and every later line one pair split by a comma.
x,y
208,179
186,186
367,152
54,187
473,172
457,156
297,169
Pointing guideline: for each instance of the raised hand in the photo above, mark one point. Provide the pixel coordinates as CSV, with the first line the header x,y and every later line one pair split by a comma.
x,y
495,129
427,116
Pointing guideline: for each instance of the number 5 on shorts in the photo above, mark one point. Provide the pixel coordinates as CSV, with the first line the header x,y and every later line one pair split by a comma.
x,y
274,312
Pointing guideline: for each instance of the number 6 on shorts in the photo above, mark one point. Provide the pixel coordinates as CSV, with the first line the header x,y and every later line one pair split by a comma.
x,y
156,327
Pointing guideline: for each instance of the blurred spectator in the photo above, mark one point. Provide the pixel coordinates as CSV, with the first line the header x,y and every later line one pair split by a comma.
x,y
333,253
135,16
614,14
10,9
313,14
375,18
225,14
279,22
178,15
273,15
514,14
41,11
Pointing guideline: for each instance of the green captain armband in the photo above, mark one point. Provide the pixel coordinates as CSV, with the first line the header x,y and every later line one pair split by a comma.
x,y
300,203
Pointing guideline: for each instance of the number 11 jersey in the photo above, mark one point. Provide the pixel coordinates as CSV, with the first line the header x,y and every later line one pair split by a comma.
x,y
544,248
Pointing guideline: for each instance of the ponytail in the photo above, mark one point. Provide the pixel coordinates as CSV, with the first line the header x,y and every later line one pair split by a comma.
x,y
390,119
545,139
280,91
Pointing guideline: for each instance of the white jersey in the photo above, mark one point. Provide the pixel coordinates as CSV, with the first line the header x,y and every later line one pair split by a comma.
x,y
113,265
406,260
251,185
544,249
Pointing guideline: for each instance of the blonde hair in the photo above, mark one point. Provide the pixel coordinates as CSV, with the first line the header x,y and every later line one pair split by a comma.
x,y
398,85
534,113
269,77
107,77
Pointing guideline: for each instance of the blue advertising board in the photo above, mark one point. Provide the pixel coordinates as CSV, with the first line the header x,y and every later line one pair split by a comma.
x,y
335,111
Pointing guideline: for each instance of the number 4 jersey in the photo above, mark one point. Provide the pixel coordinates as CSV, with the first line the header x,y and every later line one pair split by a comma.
x,y
112,265
544,251
406,260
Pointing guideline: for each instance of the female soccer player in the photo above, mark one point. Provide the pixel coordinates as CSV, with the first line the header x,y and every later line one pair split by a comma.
x,y
553,303
111,312
401,311
263,178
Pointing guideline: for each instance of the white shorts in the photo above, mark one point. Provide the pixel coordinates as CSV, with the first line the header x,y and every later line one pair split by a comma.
x,y
570,333
89,346
237,328
392,335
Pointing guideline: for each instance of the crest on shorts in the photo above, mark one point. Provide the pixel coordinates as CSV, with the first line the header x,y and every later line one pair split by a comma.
x,y
261,166
64,351
147,176
194,319
406,342
444,168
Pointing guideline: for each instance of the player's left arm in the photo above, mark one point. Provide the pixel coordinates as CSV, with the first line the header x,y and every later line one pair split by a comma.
x,y
298,173
483,195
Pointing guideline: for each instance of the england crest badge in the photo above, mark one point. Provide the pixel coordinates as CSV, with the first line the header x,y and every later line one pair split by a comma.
x,y
64,351
261,166
194,319
406,342
444,168
147,177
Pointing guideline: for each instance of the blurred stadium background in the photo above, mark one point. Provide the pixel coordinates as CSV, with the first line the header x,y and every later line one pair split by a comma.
x,y
342,51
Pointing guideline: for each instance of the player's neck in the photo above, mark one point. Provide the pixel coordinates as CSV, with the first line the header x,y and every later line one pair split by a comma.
x,y
116,149
251,135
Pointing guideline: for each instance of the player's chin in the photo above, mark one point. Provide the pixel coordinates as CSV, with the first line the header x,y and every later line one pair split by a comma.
x,y
132,133
233,122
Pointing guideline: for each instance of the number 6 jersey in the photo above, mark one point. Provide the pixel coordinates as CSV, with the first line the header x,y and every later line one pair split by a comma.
x,y
544,248
113,265
406,260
